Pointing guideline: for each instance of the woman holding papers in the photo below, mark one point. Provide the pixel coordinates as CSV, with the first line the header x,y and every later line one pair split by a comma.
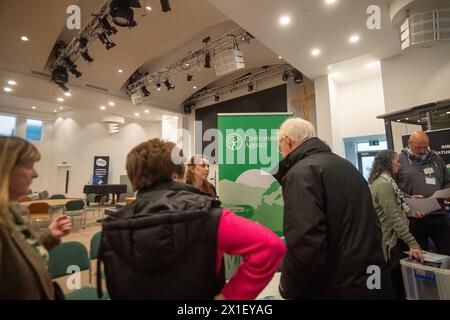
x,y
391,208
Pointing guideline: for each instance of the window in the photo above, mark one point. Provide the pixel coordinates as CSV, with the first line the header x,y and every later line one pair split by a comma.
x,y
34,130
7,125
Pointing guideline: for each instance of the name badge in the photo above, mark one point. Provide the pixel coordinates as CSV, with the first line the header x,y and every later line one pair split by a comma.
x,y
428,170
430,181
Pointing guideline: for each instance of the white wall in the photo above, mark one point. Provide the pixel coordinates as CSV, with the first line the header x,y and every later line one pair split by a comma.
x,y
416,77
360,102
75,137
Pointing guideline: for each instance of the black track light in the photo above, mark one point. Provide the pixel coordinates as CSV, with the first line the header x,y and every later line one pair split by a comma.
x,y
72,67
189,77
207,60
109,29
298,76
251,87
169,85
285,76
145,92
60,77
216,98
86,56
83,42
122,14
104,39
165,5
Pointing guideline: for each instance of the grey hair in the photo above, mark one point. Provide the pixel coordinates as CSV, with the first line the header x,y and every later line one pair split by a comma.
x,y
297,130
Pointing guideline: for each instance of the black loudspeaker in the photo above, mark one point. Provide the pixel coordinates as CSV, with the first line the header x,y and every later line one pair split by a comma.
x,y
187,109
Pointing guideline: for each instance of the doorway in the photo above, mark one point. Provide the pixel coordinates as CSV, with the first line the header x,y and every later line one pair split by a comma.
x,y
365,161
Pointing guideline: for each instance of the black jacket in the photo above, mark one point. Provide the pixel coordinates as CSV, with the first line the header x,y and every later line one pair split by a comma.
x,y
331,228
163,246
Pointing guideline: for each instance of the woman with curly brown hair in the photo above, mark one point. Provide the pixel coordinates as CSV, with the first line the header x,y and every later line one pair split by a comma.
x,y
389,203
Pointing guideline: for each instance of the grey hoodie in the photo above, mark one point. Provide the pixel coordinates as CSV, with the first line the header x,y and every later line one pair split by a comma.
x,y
412,178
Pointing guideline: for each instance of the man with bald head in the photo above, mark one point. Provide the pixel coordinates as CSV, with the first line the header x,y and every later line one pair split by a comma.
x,y
423,172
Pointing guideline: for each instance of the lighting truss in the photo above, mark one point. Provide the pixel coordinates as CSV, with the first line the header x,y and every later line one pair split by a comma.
x,y
89,32
267,72
193,59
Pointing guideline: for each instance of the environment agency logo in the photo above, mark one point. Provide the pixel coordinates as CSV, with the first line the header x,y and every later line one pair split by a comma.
x,y
234,141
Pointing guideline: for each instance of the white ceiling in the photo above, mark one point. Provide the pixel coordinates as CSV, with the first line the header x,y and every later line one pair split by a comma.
x,y
315,24
158,40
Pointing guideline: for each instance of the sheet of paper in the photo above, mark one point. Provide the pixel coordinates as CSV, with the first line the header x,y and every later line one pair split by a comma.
x,y
424,205
442,194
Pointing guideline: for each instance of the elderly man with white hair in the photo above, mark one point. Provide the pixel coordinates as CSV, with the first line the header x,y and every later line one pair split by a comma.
x,y
332,231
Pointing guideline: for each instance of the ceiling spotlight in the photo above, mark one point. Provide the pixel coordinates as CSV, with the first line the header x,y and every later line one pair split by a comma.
x,y
122,14
102,108
144,91
120,70
169,85
207,60
194,87
297,75
86,56
285,76
285,20
72,67
55,110
33,107
12,82
67,94
250,87
280,57
330,1
24,38
7,89
136,114
104,39
60,77
165,5
190,77
158,86
354,39
216,98
111,103
61,108
146,111
315,52
148,8
60,100
109,29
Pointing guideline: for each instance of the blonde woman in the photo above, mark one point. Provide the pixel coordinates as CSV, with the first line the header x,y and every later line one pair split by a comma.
x,y
23,257
197,175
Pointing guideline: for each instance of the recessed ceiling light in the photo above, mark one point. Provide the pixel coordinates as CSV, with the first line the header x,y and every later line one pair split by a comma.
x,y
24,38
280,57
12,82
418,121
159,89
354,39
147,111
7,89
285,20
315,52
406,118
54,110
61,108
120,70
398,120
330,1
136,114
448,112
148,8
60,99
194,87
33,107
67,94
186,64
102,108
111,103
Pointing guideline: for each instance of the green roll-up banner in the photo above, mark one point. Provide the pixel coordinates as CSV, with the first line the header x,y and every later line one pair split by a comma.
x,y
248,152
